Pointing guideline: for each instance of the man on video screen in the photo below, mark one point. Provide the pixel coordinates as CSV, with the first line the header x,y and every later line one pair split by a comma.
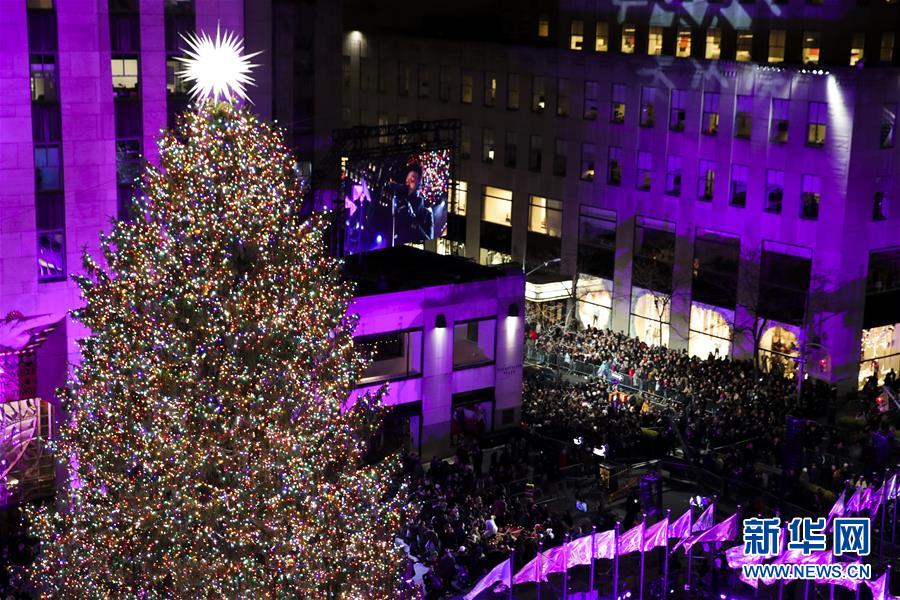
x,y
414,220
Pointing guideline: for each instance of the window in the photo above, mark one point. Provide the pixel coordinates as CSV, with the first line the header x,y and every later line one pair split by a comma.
x,y
124,73
882,194
776,45
460,198
538,94
394,355
43,78
739,178
424,81
743,119
645,169
51,256
50,212
346,71
562,98
365,74
647,106
780,121
812,190
673,176
811,47
576,35
403,77
444,83
888,123
560,157
490,89
601,41
510,150
614,176
744,45
487,145
473,343
678,110
617,106
774,190
42,32
857,47
382,77
543,26
47,168
887,47
588,161
496,206
128,161
713,43
816,124
710,125
382,125
706,180
512,91
174,83
655,41
535,153
591,93
545,216
46,125
465,142
628,38
683,43
466,89
40,5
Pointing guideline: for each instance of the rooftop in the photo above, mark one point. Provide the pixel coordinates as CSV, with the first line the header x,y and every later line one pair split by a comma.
x,y
405,268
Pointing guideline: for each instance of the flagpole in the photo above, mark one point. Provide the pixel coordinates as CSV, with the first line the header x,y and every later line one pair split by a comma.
x,y
894,523
884,481
615,581
712,548
512,566
537,567
566,567
643,531
687,585
593,556
665,591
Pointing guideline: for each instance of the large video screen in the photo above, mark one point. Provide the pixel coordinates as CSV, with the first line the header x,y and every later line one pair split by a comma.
x,y
395,199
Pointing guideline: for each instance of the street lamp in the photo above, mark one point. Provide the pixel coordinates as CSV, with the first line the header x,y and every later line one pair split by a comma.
x,y
542,265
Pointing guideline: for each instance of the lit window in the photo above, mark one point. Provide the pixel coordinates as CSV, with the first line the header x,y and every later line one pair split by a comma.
x,y
40,4
382,126
545,216
43,78
466,89
511,149
811,47
587,162
678,110
614,176
51,256
776,45
857,48
706,180
655,41
496,206
780,120
812,191
683,43
774,190
673,176
647,106
536,154
576,35
645,170
538,95
128,161
882,194
713,43
744,45
512,91
816,124
560,158
174,83
601,42
628,35
710,113
887,46
617,105
562,98
460,198
487,146
490,89
125,73
888,124
543,26
739,178
424,81
591,94
743,119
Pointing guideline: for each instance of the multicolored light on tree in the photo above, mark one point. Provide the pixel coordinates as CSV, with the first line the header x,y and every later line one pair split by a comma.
x,y
210,448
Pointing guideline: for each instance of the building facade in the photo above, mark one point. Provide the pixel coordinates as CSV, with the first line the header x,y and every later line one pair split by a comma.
x,y
719,176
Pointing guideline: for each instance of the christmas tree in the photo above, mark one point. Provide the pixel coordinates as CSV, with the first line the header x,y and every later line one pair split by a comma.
x,y
210,445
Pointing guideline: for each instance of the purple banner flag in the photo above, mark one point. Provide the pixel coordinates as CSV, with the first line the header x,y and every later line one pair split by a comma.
x,y
682,526
853,503
657,536
724,531
878,587
892,487
579,552
837,510
706,520
604,545
499,574
630,541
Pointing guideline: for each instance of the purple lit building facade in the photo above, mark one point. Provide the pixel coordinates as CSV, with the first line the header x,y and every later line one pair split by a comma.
x,y
721,177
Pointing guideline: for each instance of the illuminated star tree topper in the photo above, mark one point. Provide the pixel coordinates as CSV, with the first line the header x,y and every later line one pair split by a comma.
x,y
217,68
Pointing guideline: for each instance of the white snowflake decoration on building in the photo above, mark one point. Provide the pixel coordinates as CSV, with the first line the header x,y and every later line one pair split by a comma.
x,y
216,68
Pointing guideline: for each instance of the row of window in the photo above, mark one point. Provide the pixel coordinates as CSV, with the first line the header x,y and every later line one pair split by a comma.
x,y
124,31
743,43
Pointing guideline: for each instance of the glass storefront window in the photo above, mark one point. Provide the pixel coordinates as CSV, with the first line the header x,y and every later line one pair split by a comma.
x,y
779,349
711,331
594,302
650,316
880,352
